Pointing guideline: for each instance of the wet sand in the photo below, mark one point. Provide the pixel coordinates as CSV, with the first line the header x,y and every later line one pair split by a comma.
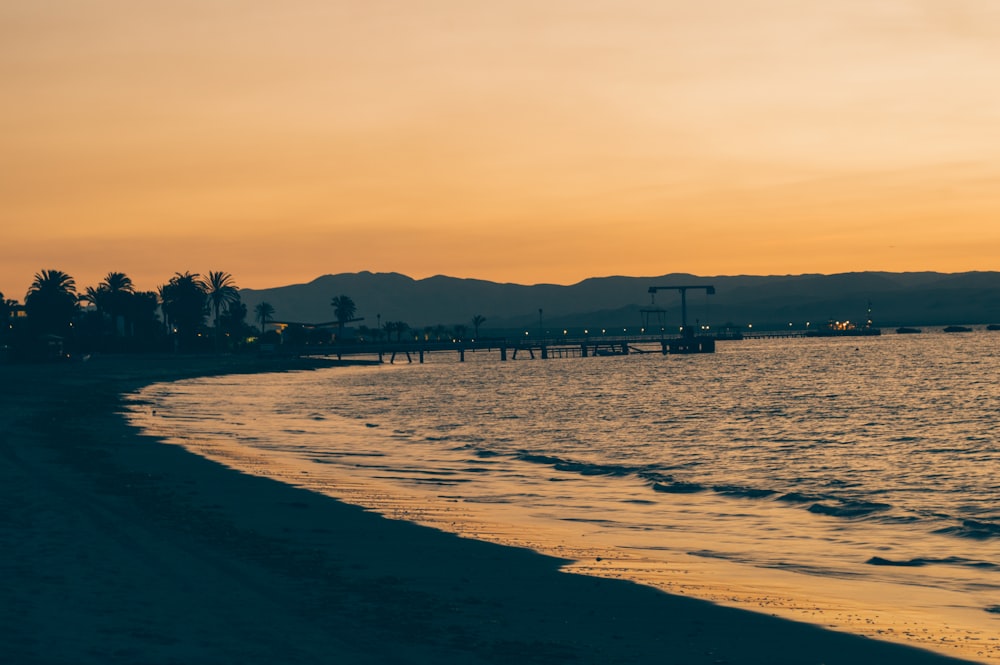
x,y
119,549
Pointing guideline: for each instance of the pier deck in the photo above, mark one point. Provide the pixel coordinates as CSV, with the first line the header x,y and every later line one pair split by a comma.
x,y
510,349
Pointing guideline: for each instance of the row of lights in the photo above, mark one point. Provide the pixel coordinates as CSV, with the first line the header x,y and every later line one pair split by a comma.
x,y
604,331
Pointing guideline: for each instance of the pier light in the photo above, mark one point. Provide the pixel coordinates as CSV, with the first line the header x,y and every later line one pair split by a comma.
x,y
586,332
807,324
750,325
525,333
789,324
565,332
603,331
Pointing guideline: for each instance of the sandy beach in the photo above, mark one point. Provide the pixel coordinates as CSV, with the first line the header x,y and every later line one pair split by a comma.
x,y
120,549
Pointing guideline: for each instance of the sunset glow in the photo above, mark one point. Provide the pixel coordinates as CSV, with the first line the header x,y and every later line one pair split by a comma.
x,y
521,141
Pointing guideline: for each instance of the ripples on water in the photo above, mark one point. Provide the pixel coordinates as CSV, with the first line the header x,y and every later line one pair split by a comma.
x,y
873,459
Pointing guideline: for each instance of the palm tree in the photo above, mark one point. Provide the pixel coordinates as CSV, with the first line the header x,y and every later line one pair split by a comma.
x,y
51,302
119,289
400,327
118,282
162,293
344,309
221,291
477,321
263,312
99,298
184,303
233,321
96,297
141,315
6,311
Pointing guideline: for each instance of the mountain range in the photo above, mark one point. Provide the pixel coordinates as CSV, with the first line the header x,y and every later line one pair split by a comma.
x,y
766,302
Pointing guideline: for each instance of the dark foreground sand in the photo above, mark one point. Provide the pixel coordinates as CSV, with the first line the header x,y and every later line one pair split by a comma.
x,y
117,549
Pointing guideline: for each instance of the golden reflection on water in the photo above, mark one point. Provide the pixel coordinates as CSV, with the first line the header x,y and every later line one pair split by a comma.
x,y
761,555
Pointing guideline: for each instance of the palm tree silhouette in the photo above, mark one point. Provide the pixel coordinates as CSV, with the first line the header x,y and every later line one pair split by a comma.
x,y
51,302
183,302
96,297
344,309
222,292
111,299
119,289
6,311
263,312
477,321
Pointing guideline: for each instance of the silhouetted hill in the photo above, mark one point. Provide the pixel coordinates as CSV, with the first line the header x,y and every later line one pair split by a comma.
x,y
923,298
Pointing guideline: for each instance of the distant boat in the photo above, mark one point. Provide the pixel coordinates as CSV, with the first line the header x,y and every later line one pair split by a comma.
x,y
847,328
833,330
957,329
907,331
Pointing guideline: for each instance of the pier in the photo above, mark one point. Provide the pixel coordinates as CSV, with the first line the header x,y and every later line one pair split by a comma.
x,y
510,349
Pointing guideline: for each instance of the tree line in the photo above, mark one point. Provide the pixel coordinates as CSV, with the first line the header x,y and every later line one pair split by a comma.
x,y
57,320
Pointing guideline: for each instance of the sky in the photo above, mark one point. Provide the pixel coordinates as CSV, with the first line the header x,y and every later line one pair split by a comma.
x,y
527,141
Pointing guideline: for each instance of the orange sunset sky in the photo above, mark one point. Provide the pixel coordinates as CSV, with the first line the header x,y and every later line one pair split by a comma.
x,y
525,141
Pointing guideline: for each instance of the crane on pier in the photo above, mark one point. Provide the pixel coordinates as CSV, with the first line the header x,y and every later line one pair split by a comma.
x,y
709,290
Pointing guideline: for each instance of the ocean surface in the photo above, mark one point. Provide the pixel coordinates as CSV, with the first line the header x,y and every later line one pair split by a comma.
x,y
849,482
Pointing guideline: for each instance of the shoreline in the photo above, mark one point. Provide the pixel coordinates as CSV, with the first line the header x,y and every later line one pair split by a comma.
x,y
121,549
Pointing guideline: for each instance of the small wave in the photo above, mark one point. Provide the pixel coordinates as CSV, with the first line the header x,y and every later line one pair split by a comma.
x,y
995,609
483,453
743,492
972,529
678,488
796,497
583,468
709,554
925,561
849,510
911,563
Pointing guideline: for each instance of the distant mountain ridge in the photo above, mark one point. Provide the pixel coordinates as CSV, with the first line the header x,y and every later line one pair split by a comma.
x,y
768,302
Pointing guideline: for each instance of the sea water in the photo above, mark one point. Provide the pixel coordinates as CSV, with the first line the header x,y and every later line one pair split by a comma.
x,y
850,482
